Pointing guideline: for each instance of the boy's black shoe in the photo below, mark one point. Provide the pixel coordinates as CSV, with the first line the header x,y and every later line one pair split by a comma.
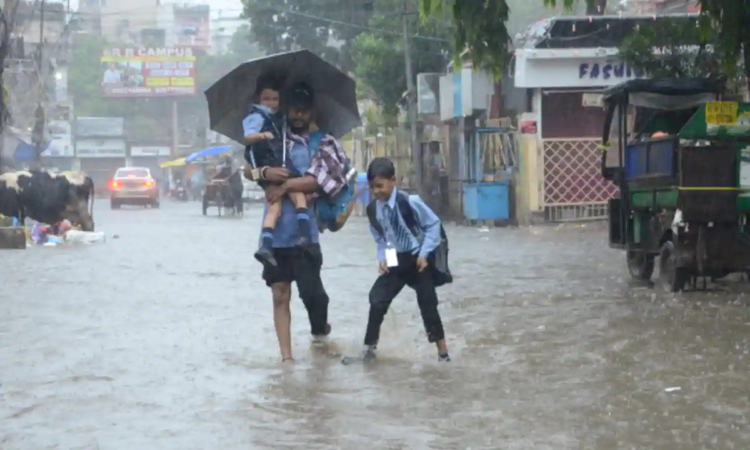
x,y
264,255
322,339
368,356
444,358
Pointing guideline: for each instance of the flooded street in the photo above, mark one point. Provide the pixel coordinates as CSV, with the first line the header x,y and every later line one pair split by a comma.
x,y
163,339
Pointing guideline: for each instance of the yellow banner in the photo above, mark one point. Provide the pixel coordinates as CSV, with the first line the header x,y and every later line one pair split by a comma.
x,y
183,81
722,113
157,82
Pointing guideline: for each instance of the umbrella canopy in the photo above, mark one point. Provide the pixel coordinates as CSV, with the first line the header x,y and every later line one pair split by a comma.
x,y
179,162
230,98
210,151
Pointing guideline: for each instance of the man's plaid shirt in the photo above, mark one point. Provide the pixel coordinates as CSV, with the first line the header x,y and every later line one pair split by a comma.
x,y
327,164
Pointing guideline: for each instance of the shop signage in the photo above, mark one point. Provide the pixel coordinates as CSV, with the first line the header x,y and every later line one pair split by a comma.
x,y
150,151
106,148
607,70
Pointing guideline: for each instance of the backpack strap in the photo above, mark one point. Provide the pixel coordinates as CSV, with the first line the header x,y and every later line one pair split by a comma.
x,y
314,142
407,213
404,208
372,216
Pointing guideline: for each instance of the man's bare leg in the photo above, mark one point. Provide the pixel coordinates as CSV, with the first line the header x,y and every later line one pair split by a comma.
x,y
282,318
264,255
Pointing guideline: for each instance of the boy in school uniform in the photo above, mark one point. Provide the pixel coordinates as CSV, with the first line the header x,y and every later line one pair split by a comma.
x,y
405,253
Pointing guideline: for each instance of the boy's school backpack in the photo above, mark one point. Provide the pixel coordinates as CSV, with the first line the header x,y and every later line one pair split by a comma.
x,y
332,212
438,259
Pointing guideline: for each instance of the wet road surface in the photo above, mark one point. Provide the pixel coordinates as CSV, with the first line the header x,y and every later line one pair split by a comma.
x,y
163,339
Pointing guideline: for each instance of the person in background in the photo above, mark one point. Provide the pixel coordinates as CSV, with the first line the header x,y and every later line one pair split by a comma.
x,y
111,75
197,183
402,259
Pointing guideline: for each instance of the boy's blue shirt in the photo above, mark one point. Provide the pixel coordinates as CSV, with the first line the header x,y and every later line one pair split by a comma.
x,y
429,224
253,122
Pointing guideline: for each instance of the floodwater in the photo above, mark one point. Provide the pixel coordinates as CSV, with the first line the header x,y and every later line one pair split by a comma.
x,y
163,339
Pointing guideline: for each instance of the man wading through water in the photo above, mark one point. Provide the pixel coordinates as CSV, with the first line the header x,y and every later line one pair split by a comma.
x,y
294,264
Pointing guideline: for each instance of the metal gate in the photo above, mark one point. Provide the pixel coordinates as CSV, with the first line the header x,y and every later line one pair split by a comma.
x,y
574,188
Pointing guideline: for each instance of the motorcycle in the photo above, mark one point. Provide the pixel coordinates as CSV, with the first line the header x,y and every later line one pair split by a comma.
x,y
180,193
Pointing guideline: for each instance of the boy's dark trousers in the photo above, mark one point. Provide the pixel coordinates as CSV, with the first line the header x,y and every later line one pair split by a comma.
x,y
389,285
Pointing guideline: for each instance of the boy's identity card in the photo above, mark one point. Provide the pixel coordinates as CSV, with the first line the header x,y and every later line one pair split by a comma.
x,y
391,257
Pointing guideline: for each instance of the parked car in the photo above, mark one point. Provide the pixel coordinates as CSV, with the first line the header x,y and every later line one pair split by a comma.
x,y
133,186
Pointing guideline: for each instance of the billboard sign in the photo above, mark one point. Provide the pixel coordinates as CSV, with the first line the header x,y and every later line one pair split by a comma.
x,y
148,72
101,148
100,127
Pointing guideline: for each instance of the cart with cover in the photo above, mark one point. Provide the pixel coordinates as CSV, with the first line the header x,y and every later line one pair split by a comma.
x,y
675,153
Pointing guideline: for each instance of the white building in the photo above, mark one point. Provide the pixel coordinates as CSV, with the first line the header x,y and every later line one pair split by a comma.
x,y
224,24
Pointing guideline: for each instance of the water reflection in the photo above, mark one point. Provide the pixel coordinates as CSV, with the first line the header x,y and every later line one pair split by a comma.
x,y
164,340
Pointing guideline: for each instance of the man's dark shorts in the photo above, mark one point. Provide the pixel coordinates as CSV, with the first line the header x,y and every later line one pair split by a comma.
x,y
294,265
303,268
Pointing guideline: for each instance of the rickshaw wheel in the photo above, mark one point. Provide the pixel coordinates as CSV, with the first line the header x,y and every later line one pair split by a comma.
x,y
205,205
640,265
671,277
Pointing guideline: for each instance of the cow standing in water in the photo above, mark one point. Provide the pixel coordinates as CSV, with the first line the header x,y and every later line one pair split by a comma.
x,y
48,198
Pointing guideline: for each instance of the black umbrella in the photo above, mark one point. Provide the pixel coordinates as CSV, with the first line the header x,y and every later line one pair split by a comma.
x,y
230,98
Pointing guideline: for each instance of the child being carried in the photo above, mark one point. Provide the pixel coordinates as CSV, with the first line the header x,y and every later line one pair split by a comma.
x,y
264,137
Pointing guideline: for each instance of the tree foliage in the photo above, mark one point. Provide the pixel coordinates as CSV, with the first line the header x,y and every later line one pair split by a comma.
x,y
362,37
672,48
325,27
379,54
727,22
482,31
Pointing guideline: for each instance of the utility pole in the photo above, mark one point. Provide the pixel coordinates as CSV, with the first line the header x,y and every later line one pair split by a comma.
x,y
416,153
4,50
39,114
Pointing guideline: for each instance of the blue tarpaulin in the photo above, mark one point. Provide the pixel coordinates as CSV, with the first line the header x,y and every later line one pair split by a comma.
x,y
25,152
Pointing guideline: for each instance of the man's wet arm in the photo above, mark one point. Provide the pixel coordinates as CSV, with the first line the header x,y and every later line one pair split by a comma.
x,y
306,184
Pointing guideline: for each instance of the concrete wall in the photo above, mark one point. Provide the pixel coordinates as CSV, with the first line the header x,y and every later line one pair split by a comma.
x,y
529,183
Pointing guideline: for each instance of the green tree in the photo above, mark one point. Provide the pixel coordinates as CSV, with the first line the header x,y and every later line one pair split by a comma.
x,y
728,23
671,48
325,27
481,28
379,54
85,76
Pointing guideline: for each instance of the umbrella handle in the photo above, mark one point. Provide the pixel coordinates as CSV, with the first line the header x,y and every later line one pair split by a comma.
x,y
283,146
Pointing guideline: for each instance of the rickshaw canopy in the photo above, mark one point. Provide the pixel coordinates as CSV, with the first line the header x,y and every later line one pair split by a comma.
x,y
665,94
179,162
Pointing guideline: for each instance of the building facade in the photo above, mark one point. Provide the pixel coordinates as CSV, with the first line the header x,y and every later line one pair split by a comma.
x,y
565,67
